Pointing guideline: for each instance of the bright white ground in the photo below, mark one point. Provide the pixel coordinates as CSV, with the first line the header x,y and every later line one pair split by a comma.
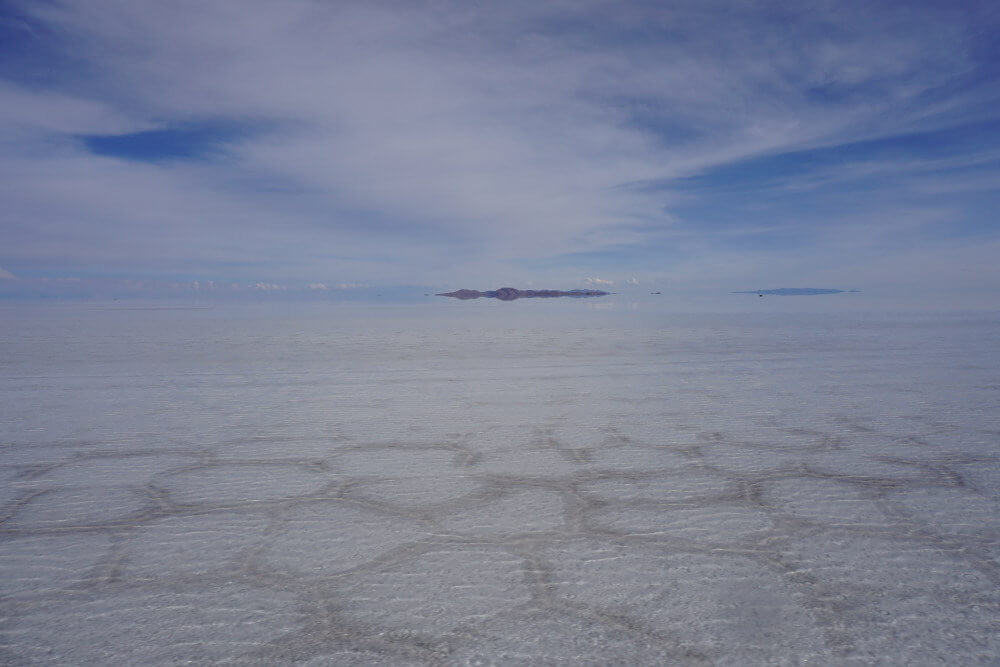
x,y
510,483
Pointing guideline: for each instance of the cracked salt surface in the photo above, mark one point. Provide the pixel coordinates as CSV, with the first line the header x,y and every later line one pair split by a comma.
x,y
514,485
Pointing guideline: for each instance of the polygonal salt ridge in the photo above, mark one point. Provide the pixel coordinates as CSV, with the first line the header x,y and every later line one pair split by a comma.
x,y
957,511
571,446
577,432
15,483
650,431
726,607
906,597
791,440
421,494
499,432
402,477
236,484
325,640
332,537
818,501
792,432
903,448
83,508
562,634
639,458
740,461
693,484
508,512
982,475
527,465
36,457
856,465
437,591
45,564
716,526
191,625
191,545
115,469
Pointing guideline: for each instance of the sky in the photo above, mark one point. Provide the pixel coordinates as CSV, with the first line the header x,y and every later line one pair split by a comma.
x,y
325,146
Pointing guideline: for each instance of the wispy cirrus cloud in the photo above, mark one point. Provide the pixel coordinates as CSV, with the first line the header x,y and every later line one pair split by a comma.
x,y
407,142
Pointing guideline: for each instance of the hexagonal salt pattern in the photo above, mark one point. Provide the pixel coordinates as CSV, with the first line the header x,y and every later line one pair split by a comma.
x,y
728,609
903,598
326,538
75,507
414,491
716,525
825,501
194,488
529,463
960,511
676,486
522,511
738,460
438,591
13,484
217,623
636,459
394,462
405,477
114,470
42,564
565,637
186,545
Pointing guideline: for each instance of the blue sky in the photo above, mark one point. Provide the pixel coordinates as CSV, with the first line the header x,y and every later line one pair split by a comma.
x,y
687,146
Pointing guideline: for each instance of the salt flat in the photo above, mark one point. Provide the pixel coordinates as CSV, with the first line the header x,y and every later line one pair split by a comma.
x,y
492,483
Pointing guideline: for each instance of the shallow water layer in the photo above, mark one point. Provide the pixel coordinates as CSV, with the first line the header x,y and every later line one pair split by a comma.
x,y
509,483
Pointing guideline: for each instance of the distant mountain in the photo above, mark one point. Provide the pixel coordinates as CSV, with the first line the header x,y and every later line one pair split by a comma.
x,y
511,293
796,291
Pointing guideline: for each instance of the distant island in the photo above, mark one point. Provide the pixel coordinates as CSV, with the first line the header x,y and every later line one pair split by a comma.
x,y
796,291
511,293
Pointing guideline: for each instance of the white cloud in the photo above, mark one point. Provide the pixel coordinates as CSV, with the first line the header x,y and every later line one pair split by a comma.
x,y
452,141
42,110
317,286
598,281
6,275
